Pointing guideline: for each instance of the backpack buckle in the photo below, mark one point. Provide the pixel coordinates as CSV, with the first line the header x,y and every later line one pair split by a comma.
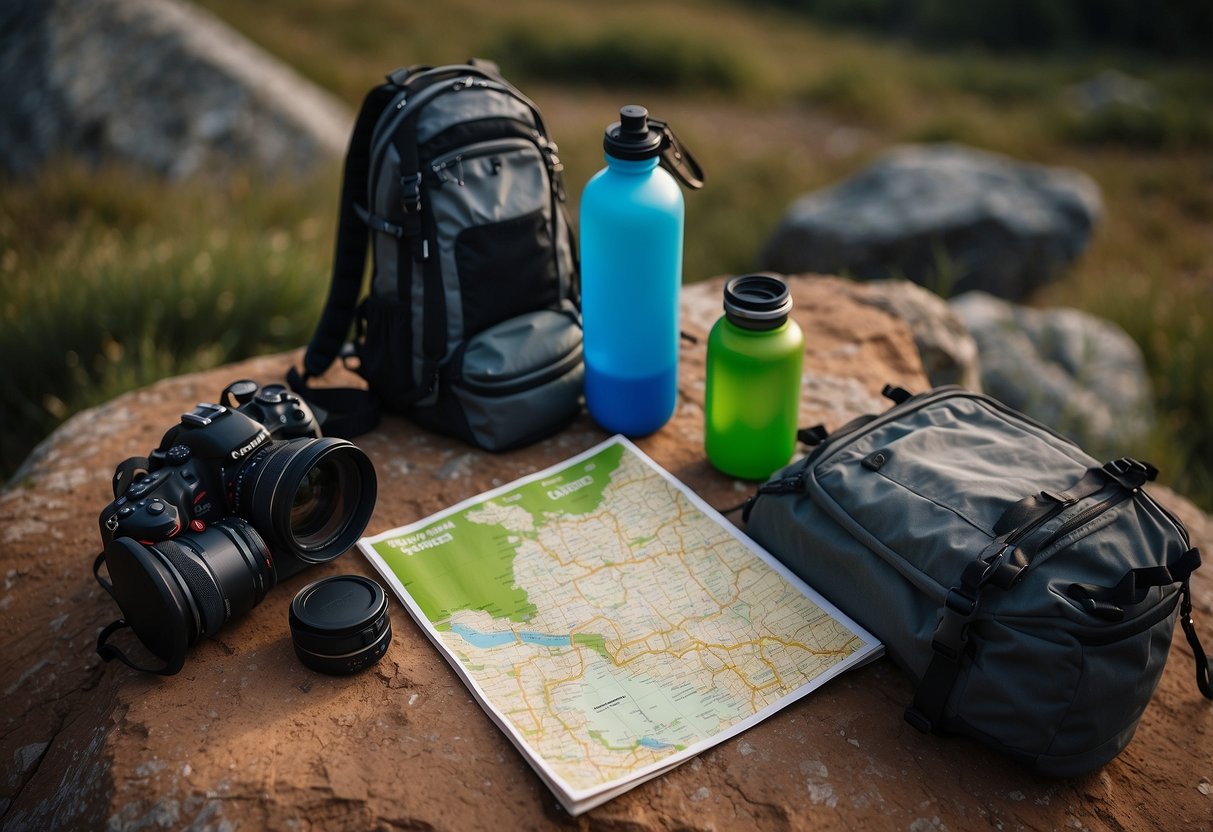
x,y
952,633
410,193
1130,473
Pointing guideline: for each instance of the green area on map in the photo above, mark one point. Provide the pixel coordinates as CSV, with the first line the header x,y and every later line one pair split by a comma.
x,y
453,564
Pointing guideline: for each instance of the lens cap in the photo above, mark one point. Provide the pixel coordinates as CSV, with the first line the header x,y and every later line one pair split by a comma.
x,y
340,625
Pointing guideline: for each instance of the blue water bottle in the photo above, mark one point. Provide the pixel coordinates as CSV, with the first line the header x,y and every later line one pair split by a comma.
x,y
631,272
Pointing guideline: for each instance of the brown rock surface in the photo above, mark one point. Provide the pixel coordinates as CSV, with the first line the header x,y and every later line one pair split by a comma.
x,y
245,737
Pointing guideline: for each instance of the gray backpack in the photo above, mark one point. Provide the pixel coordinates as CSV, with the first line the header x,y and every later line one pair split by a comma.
x,y
1030,592
472,325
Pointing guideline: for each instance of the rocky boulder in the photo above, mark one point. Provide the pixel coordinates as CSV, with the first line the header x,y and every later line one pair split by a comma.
x,y
161,85
246,737
946,216
946,347
1111,90
1079,374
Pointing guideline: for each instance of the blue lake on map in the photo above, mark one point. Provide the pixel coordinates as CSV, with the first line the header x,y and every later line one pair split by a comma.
x,y
483,640
488,640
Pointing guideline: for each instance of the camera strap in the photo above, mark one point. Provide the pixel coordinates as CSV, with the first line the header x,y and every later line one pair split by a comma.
x,y
107,651
344,412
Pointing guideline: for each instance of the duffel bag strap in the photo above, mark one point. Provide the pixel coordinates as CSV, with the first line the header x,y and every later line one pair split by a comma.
x,y
1203,680
1130,474
950,641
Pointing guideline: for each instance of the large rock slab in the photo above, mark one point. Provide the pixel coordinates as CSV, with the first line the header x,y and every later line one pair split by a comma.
x,y
160,85
246,737
947,216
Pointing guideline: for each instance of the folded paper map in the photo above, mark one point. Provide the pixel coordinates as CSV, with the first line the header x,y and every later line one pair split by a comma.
x,y
611,622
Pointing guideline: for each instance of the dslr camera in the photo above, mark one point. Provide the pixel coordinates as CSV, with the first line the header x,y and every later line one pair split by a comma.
x,y
237,496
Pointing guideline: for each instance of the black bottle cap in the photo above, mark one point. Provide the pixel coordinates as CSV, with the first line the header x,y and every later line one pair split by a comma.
x,y
340,625
632,138
757,301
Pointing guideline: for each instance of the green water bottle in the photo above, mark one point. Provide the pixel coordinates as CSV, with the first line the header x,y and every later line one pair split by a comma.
x,y
755,354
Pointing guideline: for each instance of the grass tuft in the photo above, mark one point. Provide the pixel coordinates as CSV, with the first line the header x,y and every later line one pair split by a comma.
x,y
113,280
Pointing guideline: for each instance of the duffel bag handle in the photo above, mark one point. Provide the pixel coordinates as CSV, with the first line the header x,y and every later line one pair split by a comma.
x,y
1109,602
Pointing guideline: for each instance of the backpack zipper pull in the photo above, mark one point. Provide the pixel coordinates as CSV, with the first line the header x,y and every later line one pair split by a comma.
x,y
785,485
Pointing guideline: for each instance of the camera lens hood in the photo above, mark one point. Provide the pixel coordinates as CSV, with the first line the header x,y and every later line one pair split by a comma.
x,y
151,600
340,625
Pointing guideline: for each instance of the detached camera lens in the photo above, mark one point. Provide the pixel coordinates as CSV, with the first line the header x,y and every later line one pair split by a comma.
x,y
311,498
340,625
175,591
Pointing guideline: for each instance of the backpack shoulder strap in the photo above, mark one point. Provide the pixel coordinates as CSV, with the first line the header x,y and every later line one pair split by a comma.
x,y
349,258
345,411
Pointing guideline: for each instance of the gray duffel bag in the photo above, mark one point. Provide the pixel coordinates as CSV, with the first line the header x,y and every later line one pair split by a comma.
x,y
1030,592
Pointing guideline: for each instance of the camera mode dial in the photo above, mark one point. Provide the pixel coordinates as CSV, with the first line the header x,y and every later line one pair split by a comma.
x,y
282,412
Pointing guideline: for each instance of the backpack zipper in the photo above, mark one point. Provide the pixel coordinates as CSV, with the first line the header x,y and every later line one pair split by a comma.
x,y
456,158
922,400
1085,516
381,137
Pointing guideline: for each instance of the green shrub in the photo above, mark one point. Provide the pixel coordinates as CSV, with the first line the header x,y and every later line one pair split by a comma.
x,y
1170,124
639,57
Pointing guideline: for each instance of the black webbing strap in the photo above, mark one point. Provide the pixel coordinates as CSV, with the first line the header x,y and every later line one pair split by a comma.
x,y
1029,513
1203,681
897,395
1036,508
106,585
950,641
349,257
108,652
344,412
1109,602
813,436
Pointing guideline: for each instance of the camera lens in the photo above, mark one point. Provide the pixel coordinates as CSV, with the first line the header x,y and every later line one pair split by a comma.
x,y
311,498
176,590
317,508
